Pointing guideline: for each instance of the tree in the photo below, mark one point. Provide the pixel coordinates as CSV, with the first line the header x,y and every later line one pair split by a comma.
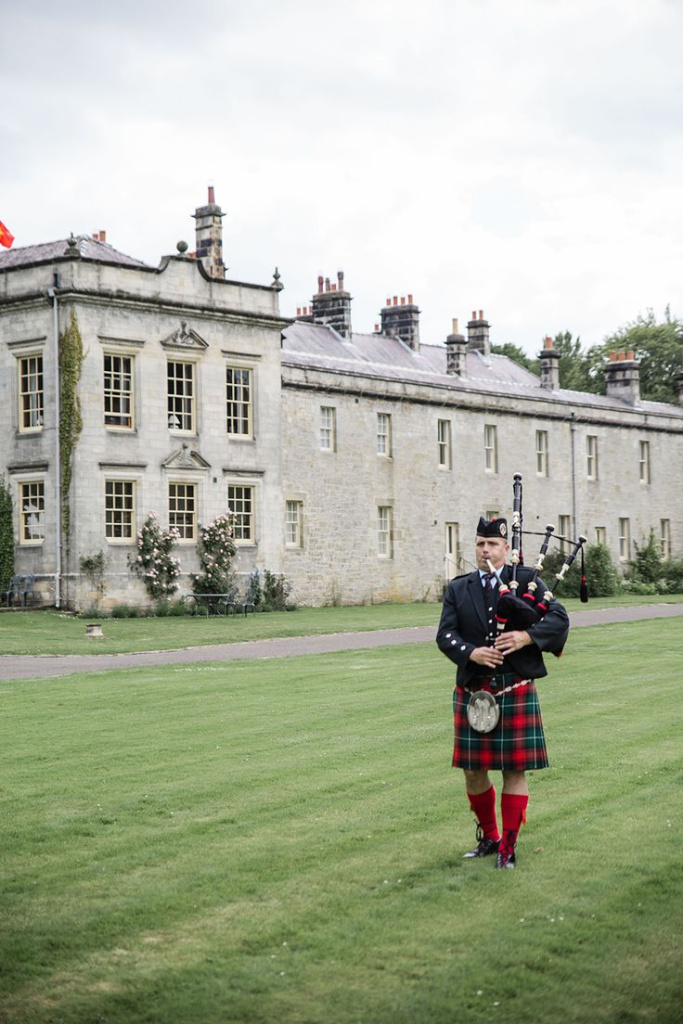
x,y
517,355
576,370
657,346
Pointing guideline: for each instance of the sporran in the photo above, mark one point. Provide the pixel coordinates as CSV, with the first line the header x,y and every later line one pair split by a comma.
x,y
483,711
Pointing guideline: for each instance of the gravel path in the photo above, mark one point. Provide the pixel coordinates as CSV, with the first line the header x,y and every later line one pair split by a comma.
x,y
44,666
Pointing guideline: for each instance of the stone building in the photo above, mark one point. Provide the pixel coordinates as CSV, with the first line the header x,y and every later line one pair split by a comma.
x,y
356,463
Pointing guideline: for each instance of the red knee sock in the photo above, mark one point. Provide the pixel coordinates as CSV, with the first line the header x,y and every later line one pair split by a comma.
x,y
484,807
513,807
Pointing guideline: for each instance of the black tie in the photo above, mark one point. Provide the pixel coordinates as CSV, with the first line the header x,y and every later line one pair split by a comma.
x,y
488,576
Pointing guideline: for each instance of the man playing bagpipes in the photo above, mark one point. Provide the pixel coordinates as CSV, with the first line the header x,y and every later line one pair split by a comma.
x,y
496,639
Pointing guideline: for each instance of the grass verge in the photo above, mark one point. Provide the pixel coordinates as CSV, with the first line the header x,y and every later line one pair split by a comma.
x,y
281,841
50,632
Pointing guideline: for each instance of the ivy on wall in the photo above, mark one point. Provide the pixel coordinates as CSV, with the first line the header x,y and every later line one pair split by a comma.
x,y
6,535
70,419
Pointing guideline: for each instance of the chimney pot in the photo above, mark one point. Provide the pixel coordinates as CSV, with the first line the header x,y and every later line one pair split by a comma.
x,y
410,300
630,355
327,284
455,325
481,315
298,310
395,300
403,300
474,314
376,328
212,198
549,342
320,283
612,357
333,287
340,280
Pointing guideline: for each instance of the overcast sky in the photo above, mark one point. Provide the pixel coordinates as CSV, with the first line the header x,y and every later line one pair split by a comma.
x,y
524,158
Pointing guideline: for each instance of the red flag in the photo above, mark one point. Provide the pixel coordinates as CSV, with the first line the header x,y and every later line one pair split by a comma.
x,y
6,238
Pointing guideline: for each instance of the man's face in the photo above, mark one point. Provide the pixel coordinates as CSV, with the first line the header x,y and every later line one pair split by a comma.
x,y
490,549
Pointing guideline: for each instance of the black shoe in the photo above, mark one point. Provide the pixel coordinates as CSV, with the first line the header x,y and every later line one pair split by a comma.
x,y
484,848
506,853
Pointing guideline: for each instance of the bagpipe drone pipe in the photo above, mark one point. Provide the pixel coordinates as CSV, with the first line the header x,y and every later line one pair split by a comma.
x,y
520,612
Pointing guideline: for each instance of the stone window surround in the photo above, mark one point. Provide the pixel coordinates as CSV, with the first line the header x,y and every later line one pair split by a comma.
x,y
180,400
294,538
132,539
444,444
29,481
186,482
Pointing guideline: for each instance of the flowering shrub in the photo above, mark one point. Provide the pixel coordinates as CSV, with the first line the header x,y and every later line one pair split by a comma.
x,y
216,554
154,564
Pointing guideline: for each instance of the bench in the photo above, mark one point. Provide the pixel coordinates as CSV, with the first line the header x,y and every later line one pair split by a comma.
x,y
21,588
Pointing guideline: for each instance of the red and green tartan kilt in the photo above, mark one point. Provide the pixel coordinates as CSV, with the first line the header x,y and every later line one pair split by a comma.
x,y
516,744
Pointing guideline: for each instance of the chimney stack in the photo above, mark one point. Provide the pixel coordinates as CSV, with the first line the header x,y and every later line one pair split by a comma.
x,y
550,366
478,335
209,234
622,377
456,353
332,306
402,320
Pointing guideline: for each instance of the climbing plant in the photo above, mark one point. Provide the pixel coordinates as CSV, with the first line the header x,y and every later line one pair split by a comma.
x,y
216,554
154,563
70,419
6,535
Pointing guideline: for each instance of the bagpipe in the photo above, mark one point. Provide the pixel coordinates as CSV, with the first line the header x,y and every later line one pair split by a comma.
x,y
513,611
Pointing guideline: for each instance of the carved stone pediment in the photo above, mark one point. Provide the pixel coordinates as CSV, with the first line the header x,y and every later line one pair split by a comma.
x,y
185,458
185,339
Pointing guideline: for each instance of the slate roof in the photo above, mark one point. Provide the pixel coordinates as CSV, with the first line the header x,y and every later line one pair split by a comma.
x,y
314,346
90,249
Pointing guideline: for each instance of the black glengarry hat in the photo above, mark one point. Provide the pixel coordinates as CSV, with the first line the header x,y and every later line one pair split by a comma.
x,y
492,528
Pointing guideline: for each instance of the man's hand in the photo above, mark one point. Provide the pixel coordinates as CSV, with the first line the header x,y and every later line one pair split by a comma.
x,y
487,656
510,642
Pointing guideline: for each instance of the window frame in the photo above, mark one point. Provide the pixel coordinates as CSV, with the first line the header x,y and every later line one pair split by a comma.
x,y
444,444
592,460
564,529
601,535
624,539
110,393
24,513
239,402
25,403
644,463
490,448
293,524
240,515
385,547
665,539
132,511
181,398
328,428
453,550
383,435
174,515
542,453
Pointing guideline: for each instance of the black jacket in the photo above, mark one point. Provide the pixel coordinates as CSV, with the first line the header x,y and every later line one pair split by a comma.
x,y
464,626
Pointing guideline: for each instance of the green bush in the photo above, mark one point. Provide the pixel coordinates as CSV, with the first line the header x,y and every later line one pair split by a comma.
x,y
601,574
276,590
646,567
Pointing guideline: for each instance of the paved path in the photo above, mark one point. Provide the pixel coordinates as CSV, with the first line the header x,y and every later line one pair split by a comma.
x,y
44,666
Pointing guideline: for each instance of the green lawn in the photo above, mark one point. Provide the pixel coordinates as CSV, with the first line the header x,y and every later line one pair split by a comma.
x,y
50,632
280,841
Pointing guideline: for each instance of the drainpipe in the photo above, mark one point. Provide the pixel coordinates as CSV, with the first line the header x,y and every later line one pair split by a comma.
x,y
574,496
52,296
